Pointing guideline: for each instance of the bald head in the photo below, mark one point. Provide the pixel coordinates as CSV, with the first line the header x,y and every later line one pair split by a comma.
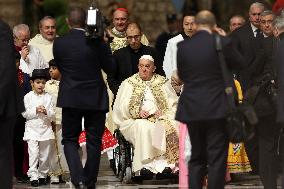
x,y
205,18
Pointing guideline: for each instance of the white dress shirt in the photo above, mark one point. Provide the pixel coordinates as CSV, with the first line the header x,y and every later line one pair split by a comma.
x,y
38,126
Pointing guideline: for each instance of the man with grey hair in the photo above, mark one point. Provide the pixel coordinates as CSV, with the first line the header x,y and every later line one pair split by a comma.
x,y
44,40
203,103
31,57
236,21
262,81
279,63
247,39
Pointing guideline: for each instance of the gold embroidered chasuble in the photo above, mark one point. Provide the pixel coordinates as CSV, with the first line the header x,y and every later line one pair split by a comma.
x,y
140,131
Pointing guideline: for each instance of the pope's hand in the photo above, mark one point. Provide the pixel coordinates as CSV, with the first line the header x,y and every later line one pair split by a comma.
x,y
144,114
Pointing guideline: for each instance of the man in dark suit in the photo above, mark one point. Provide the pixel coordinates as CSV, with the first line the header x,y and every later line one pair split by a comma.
x,y
263,79
82,93
203,104
248,39
278,32
126,58
11,103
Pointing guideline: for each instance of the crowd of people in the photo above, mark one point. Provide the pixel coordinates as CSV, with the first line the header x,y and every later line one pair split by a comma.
x,y
60,93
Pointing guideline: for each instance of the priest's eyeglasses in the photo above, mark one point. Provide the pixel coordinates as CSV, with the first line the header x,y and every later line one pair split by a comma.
x,y
135,37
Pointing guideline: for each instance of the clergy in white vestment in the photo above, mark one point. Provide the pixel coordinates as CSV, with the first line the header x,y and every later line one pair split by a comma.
x,y
31,57
44,40
170,58
144,112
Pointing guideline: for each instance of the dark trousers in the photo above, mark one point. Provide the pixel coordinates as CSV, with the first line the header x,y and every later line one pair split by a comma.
x,y
268,135
210,144
18,145
71,129
6,154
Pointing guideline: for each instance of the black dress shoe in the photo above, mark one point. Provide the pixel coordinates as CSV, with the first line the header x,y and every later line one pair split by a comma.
x,y
42,181
146,174
167,170
34,183
61,181
165,174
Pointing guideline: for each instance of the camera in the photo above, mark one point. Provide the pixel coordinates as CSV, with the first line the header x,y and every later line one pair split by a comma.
x,y
96,23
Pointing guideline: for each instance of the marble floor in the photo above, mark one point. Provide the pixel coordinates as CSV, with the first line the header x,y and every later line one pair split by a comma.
x,y
107,180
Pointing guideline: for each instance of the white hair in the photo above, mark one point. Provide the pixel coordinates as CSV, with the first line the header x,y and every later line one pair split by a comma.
x,y
257,4
19,28
147,57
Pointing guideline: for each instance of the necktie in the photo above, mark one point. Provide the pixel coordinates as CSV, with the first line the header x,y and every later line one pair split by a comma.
x,y
259,34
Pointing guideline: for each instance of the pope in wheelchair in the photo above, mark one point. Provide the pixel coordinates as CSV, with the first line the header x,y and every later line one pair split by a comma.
x,y
144,111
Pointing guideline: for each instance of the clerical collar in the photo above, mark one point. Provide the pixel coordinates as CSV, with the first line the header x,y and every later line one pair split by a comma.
x,y
118,33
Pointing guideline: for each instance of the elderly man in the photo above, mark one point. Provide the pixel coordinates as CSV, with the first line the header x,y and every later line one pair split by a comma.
x,y
118,32
262,81
189,28
248,39
144,111
236,21
31,57
44,40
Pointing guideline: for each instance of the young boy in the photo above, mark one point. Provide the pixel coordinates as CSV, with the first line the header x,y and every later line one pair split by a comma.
x,y
39,112
58,164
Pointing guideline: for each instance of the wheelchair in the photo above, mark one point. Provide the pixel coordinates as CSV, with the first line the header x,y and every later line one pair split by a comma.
x,y
123,158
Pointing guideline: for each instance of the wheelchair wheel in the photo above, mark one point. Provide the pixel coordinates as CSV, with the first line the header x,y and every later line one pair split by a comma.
x,y
128,175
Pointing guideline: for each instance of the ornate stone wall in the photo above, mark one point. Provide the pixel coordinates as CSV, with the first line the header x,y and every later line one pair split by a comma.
x,y
150,14
11,11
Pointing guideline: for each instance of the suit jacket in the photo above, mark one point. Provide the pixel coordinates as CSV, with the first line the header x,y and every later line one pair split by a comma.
x,y
80,61
124,65
203,97
279,62
262,72
11,96
249,46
